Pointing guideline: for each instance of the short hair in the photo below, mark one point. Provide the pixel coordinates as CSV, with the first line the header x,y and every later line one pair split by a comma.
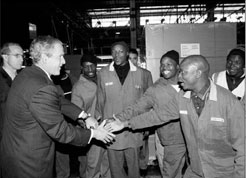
x,y
122,43
6,47
174,55
88,58
133,51
237,51
42,44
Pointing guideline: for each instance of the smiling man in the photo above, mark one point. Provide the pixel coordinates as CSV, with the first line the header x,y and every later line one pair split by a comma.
x,y
156,96
92,165
212,120
233,78
34,119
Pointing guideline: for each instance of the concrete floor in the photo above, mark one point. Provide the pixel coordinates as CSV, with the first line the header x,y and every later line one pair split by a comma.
x,y
153,171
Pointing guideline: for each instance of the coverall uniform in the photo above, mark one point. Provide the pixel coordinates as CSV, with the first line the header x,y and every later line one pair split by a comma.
x,y
112,98
215,139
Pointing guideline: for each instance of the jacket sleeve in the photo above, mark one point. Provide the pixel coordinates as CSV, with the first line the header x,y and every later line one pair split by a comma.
x,y
76,96
146,79
157,116
144,104
236,117
69,109
100,97
47,108
149,79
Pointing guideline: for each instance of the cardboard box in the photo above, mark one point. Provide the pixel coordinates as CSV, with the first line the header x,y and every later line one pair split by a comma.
x,y
213,40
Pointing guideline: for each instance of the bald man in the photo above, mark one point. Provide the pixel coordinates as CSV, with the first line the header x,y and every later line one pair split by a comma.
x,y
212,121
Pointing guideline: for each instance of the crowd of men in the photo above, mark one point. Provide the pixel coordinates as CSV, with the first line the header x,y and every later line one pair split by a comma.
x,y
96,126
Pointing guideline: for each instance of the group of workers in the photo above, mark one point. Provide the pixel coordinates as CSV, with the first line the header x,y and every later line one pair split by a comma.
x,y
100,121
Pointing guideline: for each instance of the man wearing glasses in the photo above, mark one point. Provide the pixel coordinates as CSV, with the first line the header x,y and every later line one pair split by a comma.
x,y
11,62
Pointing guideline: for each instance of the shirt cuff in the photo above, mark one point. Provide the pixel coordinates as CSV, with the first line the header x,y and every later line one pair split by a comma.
x,y
83,115
92,134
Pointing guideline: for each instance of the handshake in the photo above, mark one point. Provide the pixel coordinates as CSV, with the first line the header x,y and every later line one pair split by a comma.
x,y
114,124
104,131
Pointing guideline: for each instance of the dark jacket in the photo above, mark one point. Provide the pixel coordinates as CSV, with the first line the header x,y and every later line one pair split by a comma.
x,y
5,84
33,121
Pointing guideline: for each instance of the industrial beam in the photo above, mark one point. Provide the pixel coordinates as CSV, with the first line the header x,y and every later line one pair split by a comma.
x,y
133,23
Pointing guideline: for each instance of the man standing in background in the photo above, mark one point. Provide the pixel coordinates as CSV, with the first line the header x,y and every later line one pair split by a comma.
x,y
119,85
12,59
143,150
233,78
11,62
93,158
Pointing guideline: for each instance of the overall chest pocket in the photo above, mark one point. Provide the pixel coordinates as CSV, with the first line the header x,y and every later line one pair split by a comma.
x,y
216,129
111,88
137,91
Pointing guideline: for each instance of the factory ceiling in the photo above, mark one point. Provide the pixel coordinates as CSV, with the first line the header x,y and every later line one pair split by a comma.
x,y
71,20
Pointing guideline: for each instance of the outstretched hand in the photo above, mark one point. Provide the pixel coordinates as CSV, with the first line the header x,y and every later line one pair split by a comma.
x,y
115,125
102,134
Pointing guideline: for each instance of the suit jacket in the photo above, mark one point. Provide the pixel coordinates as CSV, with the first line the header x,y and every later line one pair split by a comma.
x,y
5,84
33,121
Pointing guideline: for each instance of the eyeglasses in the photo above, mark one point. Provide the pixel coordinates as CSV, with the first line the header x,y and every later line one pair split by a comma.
x,y
16,55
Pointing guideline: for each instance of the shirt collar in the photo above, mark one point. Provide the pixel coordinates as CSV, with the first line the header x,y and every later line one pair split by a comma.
x,y
44,71
4,73
132,66
84,79
11,73
203,92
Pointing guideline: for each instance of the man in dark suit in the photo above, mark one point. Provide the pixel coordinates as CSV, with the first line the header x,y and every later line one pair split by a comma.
x,y
10,64
12,59
34,117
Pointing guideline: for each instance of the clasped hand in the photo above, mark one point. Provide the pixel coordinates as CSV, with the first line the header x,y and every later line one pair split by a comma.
x,y
101,133
114,124
89,123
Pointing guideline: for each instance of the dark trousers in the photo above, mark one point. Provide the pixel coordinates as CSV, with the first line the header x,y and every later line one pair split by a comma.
x,y
144,154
